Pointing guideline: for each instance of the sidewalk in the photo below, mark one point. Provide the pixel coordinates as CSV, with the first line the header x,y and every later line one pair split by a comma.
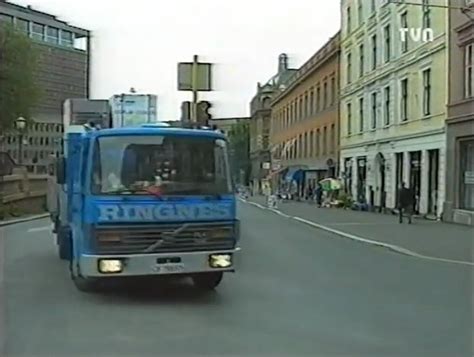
x,y
11,220
436,239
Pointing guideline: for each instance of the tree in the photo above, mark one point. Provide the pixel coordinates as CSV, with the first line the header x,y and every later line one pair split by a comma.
x,y
18,90
239,141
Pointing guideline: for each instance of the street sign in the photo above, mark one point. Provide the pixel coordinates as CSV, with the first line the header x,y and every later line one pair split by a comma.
x,y
185,77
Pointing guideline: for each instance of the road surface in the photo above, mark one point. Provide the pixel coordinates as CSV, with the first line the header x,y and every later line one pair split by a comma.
x,y
300,292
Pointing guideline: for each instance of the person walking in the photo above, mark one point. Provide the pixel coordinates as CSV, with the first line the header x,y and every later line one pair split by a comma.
x,y
406,201
319,195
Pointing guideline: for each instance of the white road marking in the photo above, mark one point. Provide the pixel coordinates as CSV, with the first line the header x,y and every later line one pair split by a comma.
x,y
39,229
391,247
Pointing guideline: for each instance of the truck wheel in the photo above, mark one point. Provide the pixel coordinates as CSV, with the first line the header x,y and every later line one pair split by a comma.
x,y
82,284
64,244
207,281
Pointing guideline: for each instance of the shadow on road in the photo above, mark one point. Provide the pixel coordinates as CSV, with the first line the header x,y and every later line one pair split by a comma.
x,y
162,290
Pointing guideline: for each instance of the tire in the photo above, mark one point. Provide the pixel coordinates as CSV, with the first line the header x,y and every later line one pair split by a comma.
x,y
207,281
85,285
63,239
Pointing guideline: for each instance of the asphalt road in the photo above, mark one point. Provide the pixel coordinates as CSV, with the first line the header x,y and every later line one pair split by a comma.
x,y
299,292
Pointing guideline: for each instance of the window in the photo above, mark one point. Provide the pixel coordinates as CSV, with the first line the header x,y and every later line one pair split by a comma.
x,y
349,20
426,14
325,140
372,5
325,94
333,90
67,38
23,26
305,145
318,99
386,106
361,60
427,92
404,99
306,105
349,68
386,31
318,142
404,25
360,14
301,107
349,119
466,177
332,148
311,101
468,70
38,31
374,110
53,35
374,51
311,143
361,115
6,19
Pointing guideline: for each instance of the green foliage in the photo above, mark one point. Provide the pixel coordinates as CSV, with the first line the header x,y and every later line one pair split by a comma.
x,y
239,144
18,64
346,200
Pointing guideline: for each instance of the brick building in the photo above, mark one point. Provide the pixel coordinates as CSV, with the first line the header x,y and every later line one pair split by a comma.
x,y
305,119
64,72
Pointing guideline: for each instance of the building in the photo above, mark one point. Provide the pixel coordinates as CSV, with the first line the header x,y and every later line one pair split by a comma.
x,y
305,119
393,103
64,72
260,112
226,124
459,202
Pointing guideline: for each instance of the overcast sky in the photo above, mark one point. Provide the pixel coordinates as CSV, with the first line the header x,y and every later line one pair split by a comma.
x,y
139,43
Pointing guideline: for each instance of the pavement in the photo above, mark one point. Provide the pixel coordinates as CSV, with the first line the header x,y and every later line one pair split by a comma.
x,y
15,220
425,237
300,291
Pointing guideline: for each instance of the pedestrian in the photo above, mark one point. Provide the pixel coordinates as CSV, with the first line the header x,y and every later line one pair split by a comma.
x,y
406,202
319,195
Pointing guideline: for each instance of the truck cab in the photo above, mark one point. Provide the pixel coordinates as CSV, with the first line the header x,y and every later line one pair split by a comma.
x,y
149,200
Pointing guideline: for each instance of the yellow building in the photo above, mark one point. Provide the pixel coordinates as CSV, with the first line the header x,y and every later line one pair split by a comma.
x,y
393,102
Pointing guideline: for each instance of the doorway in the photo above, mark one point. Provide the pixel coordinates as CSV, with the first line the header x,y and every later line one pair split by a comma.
x,y
433,167
399,178
415,178
380,160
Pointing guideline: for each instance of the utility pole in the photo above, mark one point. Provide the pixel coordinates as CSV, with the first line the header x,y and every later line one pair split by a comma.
x,y
194,84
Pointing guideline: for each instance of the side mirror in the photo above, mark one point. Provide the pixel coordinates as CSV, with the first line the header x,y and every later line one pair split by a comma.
x,y
61,171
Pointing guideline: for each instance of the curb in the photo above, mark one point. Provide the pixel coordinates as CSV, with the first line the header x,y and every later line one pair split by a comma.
x,y
22,220
355,238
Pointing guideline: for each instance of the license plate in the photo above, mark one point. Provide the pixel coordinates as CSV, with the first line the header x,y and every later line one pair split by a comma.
x,y
169,268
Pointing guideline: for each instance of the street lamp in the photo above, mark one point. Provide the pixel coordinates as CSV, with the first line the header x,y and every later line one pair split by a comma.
x,y
20,125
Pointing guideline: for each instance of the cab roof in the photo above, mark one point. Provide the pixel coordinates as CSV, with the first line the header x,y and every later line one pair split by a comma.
x,y
156,131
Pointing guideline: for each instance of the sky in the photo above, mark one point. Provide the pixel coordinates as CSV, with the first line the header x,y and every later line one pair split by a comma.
x,y
139,44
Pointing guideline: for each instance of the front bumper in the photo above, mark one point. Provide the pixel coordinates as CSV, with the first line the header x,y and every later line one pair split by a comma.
x,y
147,264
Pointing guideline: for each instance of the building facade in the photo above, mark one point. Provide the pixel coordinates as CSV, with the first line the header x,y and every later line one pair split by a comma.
x,y
260,113
459,203
63,72
305,118
393,103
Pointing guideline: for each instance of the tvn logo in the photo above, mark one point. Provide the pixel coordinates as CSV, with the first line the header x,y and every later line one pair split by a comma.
x,y
417,34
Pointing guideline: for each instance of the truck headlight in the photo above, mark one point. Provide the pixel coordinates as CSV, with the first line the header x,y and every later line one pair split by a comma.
x,y
110,266
220,260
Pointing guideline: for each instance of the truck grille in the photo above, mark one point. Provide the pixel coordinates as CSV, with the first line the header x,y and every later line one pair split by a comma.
x,y
164,238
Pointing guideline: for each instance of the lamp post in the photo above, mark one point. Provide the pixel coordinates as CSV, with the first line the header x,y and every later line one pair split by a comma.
x,y
20,125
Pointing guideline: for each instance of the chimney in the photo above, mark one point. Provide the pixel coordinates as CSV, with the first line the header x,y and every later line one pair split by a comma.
x,y
282,62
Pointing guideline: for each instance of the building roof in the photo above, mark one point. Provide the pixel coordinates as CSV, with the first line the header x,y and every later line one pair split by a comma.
x,y
29,13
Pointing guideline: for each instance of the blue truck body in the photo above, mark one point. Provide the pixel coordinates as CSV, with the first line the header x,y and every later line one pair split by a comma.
x,y
125,234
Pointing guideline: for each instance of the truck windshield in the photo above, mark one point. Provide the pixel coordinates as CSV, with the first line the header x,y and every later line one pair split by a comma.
x,y
163,165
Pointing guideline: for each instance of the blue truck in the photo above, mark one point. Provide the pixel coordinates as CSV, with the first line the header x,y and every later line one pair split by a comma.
x,y
143,201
